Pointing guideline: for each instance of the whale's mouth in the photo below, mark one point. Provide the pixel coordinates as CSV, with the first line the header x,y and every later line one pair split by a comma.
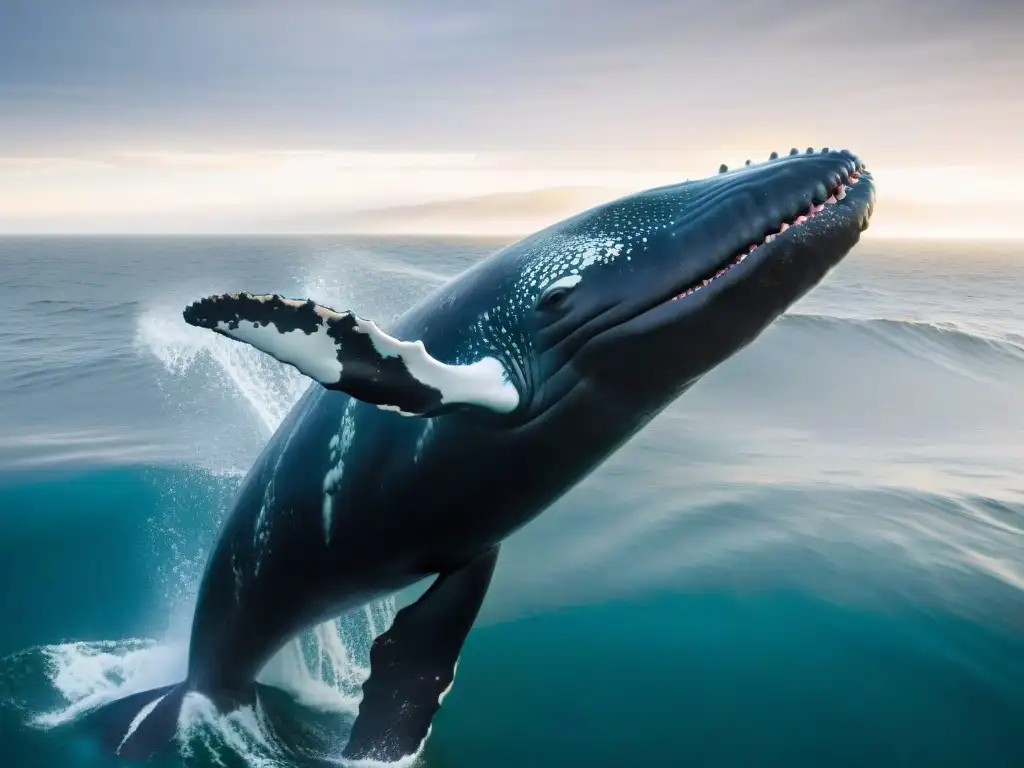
x,y
738,250
786,227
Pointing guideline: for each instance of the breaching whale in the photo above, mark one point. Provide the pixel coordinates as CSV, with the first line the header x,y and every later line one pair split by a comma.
x,y
419,448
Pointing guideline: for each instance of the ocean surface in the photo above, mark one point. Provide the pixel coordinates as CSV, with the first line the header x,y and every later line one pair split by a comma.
x,y
813,558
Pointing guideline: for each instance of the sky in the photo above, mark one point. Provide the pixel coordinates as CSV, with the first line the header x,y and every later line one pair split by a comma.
x,y
251,115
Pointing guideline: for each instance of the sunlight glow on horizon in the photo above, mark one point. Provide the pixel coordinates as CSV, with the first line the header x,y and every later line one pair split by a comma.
x,y
277,190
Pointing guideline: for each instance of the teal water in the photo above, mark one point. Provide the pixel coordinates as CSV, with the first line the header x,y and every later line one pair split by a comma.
x,y
812,559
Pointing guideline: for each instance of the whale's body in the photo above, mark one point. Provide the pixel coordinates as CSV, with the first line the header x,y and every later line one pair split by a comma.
x,y
531,368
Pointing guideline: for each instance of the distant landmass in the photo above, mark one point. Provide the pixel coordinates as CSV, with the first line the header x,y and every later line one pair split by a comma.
x,y
498,213
519,213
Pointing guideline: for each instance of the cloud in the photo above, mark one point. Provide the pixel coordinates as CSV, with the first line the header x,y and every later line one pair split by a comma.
x,y
537,75
159,107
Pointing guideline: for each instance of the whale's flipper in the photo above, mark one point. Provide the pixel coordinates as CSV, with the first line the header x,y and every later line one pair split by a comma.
x,y
139,725
412,665
343,351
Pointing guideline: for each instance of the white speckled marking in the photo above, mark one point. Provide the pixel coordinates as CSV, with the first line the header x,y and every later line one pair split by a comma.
x,y
268,511
559,260
236,569
616,232
261,531
567,255
338,446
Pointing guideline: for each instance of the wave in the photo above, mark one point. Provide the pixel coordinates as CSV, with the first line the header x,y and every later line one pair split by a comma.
x,y
916,337
117,367
74,306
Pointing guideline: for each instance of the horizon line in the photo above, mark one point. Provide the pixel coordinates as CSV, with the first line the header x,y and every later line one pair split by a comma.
x,y
434,234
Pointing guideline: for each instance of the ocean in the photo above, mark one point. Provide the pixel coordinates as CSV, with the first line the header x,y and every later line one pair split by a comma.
x,y
813,558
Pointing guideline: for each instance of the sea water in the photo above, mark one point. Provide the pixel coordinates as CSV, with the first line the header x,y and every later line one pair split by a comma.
x,y
813,558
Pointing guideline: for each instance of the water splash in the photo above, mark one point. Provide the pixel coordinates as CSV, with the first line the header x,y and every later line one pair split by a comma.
x,y
319,666
322,670
203,732
265,385
325,668
88,675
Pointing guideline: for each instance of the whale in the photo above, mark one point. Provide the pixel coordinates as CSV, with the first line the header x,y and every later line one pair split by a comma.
x,y
421,444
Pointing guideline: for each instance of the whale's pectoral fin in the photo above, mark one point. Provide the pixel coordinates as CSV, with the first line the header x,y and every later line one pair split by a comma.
x,y
412,665
345,352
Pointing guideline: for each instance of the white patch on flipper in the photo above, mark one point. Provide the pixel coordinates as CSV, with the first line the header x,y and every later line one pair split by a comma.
x,y
315,354
143,714
484,383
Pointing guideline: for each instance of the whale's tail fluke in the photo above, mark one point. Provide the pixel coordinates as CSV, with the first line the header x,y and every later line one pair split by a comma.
x,y
139,725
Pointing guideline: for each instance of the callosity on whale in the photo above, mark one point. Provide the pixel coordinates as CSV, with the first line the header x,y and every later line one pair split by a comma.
x,y
515,380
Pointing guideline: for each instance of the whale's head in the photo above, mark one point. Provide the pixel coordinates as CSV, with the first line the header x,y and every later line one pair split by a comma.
x,y
638,298
626,304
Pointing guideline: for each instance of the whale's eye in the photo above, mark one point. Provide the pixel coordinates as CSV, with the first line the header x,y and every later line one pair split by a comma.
x,y
555,293
552,298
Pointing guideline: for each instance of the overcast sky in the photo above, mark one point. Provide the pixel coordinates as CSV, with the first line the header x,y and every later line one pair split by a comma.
x,y
206,114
